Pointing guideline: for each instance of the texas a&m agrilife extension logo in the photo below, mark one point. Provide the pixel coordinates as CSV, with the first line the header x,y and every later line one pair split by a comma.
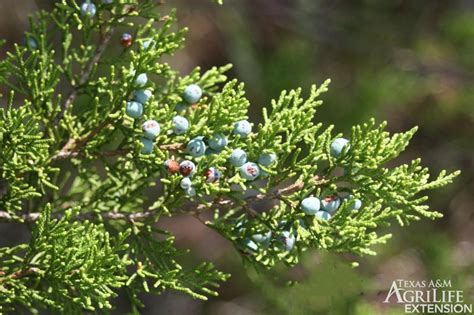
x,y
428,297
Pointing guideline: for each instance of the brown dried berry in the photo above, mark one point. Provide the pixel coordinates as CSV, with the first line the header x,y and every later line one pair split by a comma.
x,y
131,9
186,168
212,175
171,166
126,40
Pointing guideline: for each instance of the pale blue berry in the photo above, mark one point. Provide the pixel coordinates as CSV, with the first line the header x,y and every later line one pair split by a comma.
x,y
151,129
191,192
141,79
180,125
310,205
134,109
287,240
196,147
147,145
181,106
282,224
31,43
239,226
267,159
338,146
350,171
355,203
323,215
192,93
186,183
88,9
238,157
302,224
218,141
148,43
249,246
242,128
210,151
249,171
331,203
263,238
142,96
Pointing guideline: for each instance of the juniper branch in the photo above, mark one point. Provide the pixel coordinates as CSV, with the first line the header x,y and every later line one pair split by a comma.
x,y
86,199
20,273
277,194
65,153
86,73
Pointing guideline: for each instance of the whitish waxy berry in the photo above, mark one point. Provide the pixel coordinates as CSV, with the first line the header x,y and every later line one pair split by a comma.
x,y
338,146
350,171
323,215
187,168
287,240
249,171
196,147
210,151
191,192
239,226
126,40
267,159
171,166
263,238
218,141
181,106
331,203
151,129
141,79
249,246
180,125
242,128
88,9
142,96
310,205
302,224
356,203
149,43
212,175
31,43
134,109
186,183
282,224
238,157
147,146
192,94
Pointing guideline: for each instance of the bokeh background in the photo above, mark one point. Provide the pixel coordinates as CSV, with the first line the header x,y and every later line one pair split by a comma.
x,y
407,62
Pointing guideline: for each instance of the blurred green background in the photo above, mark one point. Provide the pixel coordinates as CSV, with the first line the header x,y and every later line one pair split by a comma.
x,y
407,62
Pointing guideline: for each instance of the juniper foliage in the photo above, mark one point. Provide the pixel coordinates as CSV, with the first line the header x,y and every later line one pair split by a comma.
x,y
72,170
